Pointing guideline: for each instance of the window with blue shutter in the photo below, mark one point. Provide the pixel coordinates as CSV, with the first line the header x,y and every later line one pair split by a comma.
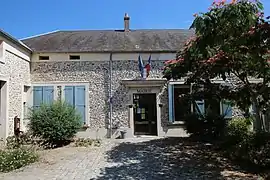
x,y
80,101
75,96
69,94
199,107
226,109
171,102
37,96
42,95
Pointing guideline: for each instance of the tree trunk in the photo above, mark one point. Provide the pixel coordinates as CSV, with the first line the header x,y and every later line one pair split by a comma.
x,y
257,115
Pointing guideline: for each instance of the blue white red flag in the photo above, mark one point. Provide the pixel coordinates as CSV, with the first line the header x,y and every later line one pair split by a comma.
x,y
148,66
140,65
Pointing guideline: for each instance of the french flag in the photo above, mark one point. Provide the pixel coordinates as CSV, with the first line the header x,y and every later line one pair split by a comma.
x,y
144,70
140,65
148,66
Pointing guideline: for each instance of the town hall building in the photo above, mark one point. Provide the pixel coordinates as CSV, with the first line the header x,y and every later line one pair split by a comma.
x,y
102,74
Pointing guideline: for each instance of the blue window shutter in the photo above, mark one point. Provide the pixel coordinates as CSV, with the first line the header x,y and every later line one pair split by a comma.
x,y
69,95
253,109
171,102
80,101
199,107
47,94
37,96
226,109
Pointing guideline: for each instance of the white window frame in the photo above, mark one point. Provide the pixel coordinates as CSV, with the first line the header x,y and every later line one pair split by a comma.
x,y
182,82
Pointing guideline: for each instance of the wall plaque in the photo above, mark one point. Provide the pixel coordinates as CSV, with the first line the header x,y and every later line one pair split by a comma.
x,y
142,90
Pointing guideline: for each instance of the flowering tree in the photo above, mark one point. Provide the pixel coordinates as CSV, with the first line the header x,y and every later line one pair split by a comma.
x,y
231,41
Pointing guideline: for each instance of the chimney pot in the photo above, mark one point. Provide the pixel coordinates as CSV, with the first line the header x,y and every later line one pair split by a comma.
x,y
126,22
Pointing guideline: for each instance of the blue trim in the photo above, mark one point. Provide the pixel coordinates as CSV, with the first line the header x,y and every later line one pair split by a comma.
x,y
171,102
226,109
199,107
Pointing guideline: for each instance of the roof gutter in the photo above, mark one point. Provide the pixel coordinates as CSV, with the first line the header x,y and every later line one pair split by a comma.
x,y
15,41
108,51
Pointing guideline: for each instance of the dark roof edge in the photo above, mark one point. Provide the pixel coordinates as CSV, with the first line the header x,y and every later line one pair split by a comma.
x,y
108,51
15,41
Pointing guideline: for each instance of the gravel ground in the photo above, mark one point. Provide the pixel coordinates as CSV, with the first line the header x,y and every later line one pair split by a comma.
x,y
140,158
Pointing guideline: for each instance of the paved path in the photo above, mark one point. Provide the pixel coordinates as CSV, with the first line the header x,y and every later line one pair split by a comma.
x,y
147,158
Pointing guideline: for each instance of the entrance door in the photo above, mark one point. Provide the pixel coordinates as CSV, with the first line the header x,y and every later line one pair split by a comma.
x,y
145,115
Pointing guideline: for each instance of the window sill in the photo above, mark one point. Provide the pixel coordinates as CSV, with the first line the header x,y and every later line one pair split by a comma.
x,y
84,127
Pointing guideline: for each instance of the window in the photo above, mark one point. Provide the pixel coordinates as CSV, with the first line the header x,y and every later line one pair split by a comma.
x,y
181,102
25,99
75,96
180,105
44,58
42,95
74,57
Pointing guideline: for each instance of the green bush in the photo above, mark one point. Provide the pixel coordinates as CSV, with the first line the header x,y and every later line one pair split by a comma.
x,y
12,159
238,130
258,148
241,144
56,123
210,126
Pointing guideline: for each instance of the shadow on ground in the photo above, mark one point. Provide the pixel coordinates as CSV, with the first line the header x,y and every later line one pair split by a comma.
x,y
169,158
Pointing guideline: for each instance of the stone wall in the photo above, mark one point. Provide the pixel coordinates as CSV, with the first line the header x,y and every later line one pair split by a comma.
x,y
96,73
18,72
127,70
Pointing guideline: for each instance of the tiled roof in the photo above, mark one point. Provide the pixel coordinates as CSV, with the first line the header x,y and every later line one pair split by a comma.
x,y
163,40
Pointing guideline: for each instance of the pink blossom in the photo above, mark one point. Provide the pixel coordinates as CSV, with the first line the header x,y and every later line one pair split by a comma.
x,y
173,61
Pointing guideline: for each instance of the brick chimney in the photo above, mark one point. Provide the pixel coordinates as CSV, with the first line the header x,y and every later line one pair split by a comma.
x,y
126,22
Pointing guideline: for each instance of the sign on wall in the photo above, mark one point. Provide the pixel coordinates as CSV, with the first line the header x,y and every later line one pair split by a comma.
x,y
144,90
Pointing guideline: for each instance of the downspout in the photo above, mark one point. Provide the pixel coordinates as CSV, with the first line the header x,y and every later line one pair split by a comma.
x,y
110,95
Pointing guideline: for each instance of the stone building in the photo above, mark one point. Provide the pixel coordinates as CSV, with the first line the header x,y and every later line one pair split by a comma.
x,y
97,71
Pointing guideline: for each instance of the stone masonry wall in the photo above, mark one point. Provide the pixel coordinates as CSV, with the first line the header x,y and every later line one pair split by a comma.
x,y
127,70
97,74
18,71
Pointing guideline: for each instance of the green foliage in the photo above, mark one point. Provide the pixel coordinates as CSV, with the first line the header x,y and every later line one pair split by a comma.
x,y
259,149
12,159
209,125
241,144
56,123
238,129
231,40
254,148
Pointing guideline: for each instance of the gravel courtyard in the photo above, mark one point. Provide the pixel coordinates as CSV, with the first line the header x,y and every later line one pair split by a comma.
x,y
140,158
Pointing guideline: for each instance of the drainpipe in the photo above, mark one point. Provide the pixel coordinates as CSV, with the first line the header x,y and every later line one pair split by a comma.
x,y
110,95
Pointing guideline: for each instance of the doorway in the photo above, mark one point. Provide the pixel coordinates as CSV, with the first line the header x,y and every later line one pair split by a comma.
x,y
145,114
